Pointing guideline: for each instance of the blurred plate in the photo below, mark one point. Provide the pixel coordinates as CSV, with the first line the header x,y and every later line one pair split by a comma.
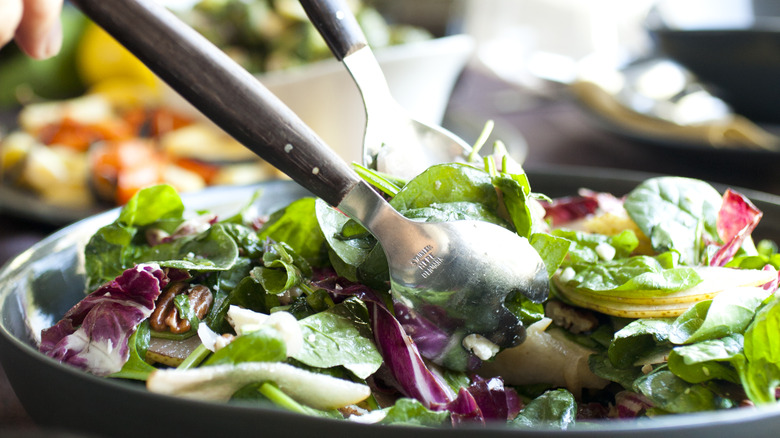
x,y
40,285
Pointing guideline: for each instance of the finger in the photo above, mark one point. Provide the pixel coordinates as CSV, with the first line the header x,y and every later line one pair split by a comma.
x,y
11,11
40,31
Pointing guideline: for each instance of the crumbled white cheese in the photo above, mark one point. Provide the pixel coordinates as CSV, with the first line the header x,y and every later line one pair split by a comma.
x,y
480,346
369,417
567,275
245,320
605,251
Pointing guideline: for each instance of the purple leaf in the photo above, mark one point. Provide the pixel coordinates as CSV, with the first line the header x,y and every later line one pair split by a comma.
x,y
736,220
93,334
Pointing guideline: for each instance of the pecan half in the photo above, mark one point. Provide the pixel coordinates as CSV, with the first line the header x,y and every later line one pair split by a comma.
x,y
165,316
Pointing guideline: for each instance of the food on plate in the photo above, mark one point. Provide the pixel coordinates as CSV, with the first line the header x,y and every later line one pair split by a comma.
x,y
100,150
662,304
269,35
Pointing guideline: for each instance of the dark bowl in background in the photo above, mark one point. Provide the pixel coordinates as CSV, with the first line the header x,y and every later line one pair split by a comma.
x,y
739,63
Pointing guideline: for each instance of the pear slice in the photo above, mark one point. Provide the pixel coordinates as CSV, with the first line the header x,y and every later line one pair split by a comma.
x,y
714,281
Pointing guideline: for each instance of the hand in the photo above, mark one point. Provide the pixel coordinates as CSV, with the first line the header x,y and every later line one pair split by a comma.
x,y
34,25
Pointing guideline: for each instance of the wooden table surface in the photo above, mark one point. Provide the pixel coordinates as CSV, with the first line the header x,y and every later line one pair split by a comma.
x,y
556,131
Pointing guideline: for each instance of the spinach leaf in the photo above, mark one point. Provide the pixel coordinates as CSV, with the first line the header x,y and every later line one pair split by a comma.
x,y
638,339
602,366
584,246
675,213
297,226
552,249
673,394
108,253
707,360
263,345
150,205
731,311
212,250
455,211
515,192
340,336
760,372
282,269
346,253
445,183
410,412
553,409
637,276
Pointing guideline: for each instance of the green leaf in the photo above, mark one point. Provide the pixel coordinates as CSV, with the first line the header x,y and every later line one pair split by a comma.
x,y
707,360
282,269
136,368
761,371
346,253
638,276
675,213
602,366
263,345
552,249
673,394
410,412
638,339
455,211
108,253
150,205
553,409
340,336
515,191
583,246
445,183
212,250
297,226
731,312
526,310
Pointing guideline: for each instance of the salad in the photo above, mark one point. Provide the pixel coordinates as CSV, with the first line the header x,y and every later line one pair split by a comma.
x,y
661,304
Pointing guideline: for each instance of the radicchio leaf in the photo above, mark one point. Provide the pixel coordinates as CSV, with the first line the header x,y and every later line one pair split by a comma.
x,y
587,202
93,334
736,220
495,401
483,400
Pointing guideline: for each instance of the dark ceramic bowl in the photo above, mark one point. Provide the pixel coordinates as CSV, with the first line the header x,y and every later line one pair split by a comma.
x,y
41,284
737,56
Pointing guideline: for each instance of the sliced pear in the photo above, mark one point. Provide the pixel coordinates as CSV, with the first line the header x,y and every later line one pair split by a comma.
x,y
545,356
714,281
219,382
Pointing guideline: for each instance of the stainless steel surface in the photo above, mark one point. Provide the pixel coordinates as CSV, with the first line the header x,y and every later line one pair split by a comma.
x,y
393,142
391,136
455,276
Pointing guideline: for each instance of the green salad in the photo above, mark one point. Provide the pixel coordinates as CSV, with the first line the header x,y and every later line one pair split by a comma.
x,y
661,304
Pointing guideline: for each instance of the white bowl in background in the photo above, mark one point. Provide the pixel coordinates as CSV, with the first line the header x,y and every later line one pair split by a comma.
x,y
421,76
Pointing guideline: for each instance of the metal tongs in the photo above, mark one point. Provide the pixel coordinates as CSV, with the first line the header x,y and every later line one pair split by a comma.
x,y
393,141
455,276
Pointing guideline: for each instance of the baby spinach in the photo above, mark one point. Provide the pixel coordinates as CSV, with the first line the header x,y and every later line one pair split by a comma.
x,y
297,226
263,345
445,183
676,213
212,250
410,412
761,370
553,409
637,276
340,336
707,360
670,393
